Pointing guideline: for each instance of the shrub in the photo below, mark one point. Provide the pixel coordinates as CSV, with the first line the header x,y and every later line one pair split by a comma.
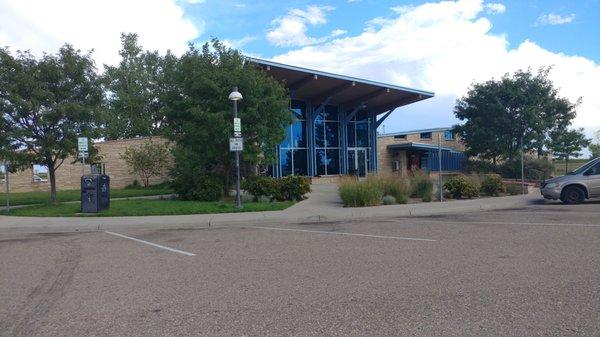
x,y
393,186
260,186
479,166
462,187
422,187
202,187
147,160
388,200
356,193
534,169
135,184
492,185
292,188
513,189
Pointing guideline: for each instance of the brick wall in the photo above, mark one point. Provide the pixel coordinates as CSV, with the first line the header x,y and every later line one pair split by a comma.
x,y
68,175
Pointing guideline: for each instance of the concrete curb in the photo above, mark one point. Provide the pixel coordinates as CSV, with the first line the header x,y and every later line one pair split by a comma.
x,y
197,221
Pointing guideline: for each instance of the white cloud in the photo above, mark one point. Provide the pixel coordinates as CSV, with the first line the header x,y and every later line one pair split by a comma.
x,y
445,47
45,25
291,29
554,19
495,8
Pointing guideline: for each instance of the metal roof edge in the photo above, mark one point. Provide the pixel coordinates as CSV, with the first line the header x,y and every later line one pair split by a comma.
x,y
429,94
413,131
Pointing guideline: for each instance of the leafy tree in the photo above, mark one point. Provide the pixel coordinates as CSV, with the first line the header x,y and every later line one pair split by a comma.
x,y
199,114
148,160
133,105
567,143
595,147
501,114
46,104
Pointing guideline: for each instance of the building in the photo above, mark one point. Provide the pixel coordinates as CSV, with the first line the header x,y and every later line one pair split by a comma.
x,y
335,120
403,152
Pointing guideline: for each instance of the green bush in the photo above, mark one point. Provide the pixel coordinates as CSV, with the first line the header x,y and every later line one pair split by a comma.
x,y
355,193
492,185
201,187
479,166
290,188
534,169
421,186
513,189
388,200
134,185
260,186
393,186
462,187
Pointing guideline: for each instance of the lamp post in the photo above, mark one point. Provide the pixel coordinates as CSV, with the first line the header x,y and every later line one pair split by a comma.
x,y
236,96
7,187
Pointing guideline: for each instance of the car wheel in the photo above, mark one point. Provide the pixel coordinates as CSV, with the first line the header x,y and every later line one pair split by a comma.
x,y
573,195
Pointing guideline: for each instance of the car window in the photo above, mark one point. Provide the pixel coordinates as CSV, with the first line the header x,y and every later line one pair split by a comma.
x,y
584,167
594,170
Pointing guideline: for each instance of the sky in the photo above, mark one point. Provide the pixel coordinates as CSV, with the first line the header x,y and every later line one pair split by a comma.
x,y
441,47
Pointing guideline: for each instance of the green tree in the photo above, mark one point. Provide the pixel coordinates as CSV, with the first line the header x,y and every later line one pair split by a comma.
x,y
595,147
568,143
46,104
133,104
148,160
500,115
198,112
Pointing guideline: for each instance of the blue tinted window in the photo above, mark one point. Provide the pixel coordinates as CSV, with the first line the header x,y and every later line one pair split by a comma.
x,y
362,134
299,109
299,134
285,159
321,161
351,135
332,134
330,112
333,161
425,135
362,115
319,133
300,163
448,135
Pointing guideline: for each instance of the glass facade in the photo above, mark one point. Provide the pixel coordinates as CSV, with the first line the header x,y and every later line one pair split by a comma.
x,y
322,141
327,141
293,152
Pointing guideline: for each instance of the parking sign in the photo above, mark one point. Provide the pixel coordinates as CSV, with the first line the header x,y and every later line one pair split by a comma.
x,y
236,144
82,144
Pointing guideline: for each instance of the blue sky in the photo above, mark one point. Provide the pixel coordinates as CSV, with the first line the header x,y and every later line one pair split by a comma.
x,y
436,46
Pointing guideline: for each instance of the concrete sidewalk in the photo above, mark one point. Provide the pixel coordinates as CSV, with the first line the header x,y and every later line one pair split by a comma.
x,y
323,205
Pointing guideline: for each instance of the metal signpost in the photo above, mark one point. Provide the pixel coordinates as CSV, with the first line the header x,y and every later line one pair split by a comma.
x,y
441,188
82,147
7,188
236,144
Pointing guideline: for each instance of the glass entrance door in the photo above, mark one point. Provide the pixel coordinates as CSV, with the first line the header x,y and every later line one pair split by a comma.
x,y
358,162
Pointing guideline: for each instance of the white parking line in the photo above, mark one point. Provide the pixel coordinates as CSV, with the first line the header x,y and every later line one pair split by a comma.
x,y
475,222
151,244
343,233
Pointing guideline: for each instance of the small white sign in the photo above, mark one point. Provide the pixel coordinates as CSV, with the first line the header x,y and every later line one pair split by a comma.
x,y
237,134
236,144
237,125
82,144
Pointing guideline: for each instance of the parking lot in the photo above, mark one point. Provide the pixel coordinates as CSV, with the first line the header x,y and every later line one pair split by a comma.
x,y
533,271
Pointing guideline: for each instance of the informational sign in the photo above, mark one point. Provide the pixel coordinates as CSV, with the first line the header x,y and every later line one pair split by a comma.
x,y
237,125
236,144
237,134
82,144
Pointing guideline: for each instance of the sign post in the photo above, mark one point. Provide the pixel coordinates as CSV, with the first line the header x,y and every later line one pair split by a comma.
x,y
82,147
7,188
236,144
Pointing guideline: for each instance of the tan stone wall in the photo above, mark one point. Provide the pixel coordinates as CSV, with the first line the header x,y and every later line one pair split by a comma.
x,y
455,144
68,175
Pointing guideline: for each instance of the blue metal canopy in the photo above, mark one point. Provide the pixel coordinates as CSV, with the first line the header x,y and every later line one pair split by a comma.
x,y
418,146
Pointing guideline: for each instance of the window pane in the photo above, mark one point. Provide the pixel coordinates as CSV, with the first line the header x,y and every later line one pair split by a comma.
x,y
425,135
287,142
300,163
362,115
331,112
299,134
448,135
285,158
351,138
333,161
299,109
362,134
352,162
331,134
321,161
319,133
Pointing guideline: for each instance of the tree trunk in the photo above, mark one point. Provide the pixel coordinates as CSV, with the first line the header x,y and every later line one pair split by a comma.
x,y
52,177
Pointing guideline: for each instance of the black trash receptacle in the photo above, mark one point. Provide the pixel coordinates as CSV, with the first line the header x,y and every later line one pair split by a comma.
x,y
95,193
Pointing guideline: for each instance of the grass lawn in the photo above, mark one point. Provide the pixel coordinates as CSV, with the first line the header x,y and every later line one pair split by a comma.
x,y
43,197
574,164
141,207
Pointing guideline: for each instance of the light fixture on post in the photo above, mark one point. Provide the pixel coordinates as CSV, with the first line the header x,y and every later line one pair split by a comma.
x,y
236,143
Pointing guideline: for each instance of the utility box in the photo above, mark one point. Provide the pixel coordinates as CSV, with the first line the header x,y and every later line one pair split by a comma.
x,y
95,193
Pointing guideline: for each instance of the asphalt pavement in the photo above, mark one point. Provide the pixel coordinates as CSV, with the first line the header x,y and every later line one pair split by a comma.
x,y
528,271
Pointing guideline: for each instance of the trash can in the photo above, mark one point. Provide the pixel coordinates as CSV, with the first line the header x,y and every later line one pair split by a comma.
x,y
95,193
